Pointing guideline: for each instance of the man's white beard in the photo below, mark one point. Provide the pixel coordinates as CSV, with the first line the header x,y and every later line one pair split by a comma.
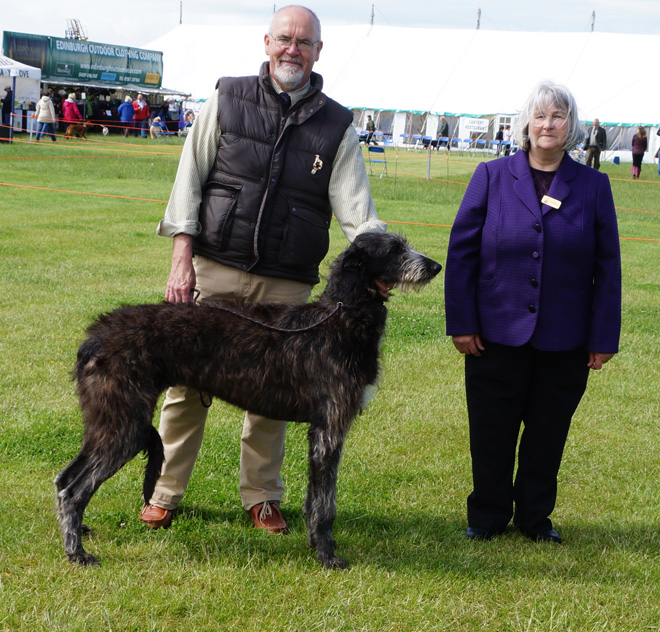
x,y
289,77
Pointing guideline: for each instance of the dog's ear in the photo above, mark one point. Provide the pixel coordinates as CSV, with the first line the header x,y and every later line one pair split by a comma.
x,y
352,258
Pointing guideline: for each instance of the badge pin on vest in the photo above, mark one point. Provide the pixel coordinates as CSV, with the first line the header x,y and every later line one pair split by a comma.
x,y
318,164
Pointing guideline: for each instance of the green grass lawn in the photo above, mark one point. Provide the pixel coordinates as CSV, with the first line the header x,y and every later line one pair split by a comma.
x,y
65,257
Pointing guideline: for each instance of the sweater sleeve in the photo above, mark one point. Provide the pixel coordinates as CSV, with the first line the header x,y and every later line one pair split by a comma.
x,y
197,157
349,191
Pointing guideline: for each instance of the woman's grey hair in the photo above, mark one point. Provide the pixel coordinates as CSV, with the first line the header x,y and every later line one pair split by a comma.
x,y
545,95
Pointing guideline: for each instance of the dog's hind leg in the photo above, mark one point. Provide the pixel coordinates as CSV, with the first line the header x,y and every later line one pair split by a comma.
x,y
71,503
320,502
95,463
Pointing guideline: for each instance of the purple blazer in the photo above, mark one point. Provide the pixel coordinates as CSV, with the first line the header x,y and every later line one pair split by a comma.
x,y
518,272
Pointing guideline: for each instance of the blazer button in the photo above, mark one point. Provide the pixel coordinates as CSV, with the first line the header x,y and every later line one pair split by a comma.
x,y
534,283
532,309
536,255
537,228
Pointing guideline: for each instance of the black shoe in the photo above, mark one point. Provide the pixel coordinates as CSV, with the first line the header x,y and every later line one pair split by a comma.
x,y
477,533
544,536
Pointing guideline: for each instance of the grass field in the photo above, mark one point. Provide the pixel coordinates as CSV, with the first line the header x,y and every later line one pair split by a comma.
x,y
66,255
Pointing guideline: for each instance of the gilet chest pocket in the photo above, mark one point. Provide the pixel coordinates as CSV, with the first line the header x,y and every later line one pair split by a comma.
x,y
217,213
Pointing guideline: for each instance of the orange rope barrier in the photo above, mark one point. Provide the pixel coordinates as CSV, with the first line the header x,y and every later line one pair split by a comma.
x,y
417,224
125,197
90,144
119,197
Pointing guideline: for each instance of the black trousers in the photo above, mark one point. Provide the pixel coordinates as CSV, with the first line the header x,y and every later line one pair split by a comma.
x,y
507,387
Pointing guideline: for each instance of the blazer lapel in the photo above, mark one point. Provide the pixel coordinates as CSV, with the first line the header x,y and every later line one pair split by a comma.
x,y
524,185
559,189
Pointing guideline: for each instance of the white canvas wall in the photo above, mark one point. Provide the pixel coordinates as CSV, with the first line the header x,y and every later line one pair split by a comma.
x,y
436,70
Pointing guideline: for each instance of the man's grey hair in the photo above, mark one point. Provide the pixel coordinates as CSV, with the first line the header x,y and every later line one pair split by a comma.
x,y
545,95
317,35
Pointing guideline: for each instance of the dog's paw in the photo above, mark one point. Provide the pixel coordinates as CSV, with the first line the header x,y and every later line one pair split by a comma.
x,y
82,558
332,562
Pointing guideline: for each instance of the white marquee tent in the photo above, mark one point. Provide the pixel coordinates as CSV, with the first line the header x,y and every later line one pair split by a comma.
x,y
24,80
459,72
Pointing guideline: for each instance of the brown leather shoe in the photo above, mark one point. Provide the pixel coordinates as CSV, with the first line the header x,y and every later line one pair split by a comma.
x,y
267,516
156,517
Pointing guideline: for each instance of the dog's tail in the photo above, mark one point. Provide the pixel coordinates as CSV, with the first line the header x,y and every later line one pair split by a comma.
x,y
87,352
155,459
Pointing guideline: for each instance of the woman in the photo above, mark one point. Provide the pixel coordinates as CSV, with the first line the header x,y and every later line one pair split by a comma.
x,y
45,115
533,300
126,114
70,111
639,147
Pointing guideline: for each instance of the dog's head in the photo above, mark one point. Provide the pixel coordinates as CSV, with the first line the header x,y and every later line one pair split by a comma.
x,y
376,263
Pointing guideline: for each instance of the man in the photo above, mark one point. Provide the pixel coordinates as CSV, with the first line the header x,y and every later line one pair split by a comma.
x,y
6,106
141,116
596,142
443,132
268,162
371,128
172,115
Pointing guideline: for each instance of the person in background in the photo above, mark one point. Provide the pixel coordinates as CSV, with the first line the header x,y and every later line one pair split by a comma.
x,y
7,102
126,115
141,118
70,111
533,302
640,144
500,137
595,143
247,229
45,115
171,115
443,132
371,128
506,137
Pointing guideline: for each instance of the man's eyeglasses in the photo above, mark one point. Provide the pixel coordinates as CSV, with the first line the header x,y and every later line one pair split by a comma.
x,y
302,45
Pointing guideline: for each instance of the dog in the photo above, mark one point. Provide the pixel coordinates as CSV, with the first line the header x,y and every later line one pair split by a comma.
x,y
79,131
156,128
305,363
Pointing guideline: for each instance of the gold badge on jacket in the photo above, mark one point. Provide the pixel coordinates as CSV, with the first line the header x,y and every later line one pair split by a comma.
x,y
318,164
551,201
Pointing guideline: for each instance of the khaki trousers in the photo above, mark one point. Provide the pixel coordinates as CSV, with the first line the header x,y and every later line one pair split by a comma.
x,y
183,417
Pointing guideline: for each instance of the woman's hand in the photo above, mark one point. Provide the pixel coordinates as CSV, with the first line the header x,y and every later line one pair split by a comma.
x,y
596,360
469,344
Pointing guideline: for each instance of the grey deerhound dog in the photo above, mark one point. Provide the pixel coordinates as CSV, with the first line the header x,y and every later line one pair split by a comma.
x,y
305,363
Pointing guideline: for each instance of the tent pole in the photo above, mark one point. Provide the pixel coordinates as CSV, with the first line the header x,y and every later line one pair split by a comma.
x,y
428,163
11,113
396,164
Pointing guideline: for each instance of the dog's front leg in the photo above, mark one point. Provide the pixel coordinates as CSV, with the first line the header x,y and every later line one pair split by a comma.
x,y
320,503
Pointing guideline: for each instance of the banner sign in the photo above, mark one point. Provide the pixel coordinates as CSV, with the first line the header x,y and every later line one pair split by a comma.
x,y
81,60
473,126
26,49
